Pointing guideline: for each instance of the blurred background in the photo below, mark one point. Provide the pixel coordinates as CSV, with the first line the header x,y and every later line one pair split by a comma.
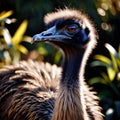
x,y
21,19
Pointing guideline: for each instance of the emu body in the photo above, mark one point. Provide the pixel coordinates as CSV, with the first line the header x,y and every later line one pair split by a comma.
x,y
40,91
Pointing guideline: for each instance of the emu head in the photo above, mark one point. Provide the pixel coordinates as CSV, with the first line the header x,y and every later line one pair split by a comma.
x,y
71,30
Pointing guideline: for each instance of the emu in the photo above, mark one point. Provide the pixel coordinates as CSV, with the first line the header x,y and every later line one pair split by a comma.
x,y
41,91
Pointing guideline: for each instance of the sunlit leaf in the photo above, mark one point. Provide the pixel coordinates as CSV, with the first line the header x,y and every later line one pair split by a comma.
x,y
103,59
111,84
27,39
22,49
16,57
7,37
4,15
17,38
57,57
113,54
111,49
118,76
9,21
99,63
111,73
96,80
42,50
105,77
7,57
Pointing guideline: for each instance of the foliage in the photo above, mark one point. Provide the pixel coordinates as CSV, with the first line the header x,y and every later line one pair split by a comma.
x,y
10,46
110,78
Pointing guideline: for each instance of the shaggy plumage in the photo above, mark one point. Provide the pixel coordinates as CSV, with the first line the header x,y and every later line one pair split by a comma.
x,y
40,91
28,90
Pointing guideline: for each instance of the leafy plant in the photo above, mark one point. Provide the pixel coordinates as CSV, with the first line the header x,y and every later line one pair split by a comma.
x,y
17,39
110,79
11,47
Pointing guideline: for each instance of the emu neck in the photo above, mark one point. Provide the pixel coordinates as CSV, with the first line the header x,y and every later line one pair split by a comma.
x,y
69,104
71,69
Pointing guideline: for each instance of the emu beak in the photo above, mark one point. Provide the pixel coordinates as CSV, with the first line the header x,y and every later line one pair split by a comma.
x,y
50,35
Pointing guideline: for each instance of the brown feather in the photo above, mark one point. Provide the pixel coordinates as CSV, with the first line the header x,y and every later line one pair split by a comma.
x,y
30,95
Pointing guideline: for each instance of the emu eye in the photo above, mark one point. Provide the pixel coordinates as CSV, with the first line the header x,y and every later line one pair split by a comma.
x,y
72,28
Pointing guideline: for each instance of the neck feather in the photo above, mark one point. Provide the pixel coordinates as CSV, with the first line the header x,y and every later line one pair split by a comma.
x,y
69,104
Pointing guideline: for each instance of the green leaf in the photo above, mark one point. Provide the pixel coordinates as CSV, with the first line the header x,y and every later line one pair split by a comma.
x,y
96,80
7,37
57,57
118,76
22,49
27,39
103,59
7,57
114,56
99,63
111,49
105,77
4,15
17,38
42,50
111,73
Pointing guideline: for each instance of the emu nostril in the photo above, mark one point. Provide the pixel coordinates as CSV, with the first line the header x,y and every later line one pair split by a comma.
x,y
46,34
